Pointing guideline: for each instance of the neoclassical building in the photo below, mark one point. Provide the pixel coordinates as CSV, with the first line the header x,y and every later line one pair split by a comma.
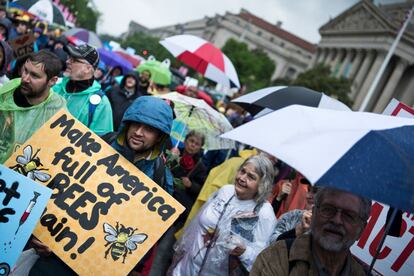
x,y
291,54
355,44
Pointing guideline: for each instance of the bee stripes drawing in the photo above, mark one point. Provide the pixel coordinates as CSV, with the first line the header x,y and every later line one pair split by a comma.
x,y
121,240
28,165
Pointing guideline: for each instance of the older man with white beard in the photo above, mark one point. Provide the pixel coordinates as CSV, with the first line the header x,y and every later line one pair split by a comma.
x,y
338,220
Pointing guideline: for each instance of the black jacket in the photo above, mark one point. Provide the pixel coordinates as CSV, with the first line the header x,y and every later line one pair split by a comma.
x,y
120,100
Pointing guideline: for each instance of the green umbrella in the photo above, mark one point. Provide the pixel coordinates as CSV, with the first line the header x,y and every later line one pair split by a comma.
x,y
160,71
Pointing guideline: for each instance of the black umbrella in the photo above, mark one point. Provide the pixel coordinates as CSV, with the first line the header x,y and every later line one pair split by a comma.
x,y
274,98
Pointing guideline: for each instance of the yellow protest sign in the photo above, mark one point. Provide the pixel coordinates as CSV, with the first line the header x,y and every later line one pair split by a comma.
x,y
104,214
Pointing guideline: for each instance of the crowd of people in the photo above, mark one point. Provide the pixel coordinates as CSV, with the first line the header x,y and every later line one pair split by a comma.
x,y
245,213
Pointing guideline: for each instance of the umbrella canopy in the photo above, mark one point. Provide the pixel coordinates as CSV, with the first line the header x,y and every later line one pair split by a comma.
x,y
85,35
273,98
160,72
112,59
204,57
134,60
196,114
44,9
364,153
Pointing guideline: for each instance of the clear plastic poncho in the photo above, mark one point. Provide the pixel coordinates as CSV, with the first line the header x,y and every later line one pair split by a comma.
x,y
224,222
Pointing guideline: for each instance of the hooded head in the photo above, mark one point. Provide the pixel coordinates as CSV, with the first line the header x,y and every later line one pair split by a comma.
x,y
7,55
6,26
150,111
130,74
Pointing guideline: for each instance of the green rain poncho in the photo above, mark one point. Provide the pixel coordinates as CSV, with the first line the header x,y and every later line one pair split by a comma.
x,y
17,124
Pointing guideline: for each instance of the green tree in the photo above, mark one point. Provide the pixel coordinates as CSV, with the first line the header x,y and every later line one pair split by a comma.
x,y
253,67
147,45
320,79
86,16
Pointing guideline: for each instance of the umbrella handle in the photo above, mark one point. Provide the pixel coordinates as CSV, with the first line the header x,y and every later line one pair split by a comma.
x,y
387,229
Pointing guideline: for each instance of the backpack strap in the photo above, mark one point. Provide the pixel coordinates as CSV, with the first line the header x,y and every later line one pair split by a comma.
x,y
94,101
159,172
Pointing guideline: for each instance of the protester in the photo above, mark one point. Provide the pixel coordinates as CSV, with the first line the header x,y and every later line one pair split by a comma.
x,y
22,27
216,179
289,194
295,222
110,79
121,96
142,135
337,222
141,139
233,226
6,56
27,103
85,99
189,171
5,27
189,174
144,82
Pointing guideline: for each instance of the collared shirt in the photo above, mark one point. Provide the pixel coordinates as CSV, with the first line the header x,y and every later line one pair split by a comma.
x,y
322,271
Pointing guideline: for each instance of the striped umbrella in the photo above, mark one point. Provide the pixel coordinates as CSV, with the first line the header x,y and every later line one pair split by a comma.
x,y
44,9
86,36
204,57
273,98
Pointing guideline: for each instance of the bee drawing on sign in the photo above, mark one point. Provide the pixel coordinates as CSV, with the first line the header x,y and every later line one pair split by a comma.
x,y
28,165
121,240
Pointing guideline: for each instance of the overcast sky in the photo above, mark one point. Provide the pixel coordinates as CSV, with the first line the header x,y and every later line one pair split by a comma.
x,y
300,17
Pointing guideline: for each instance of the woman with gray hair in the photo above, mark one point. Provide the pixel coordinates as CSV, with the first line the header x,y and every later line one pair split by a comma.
x,y
232,228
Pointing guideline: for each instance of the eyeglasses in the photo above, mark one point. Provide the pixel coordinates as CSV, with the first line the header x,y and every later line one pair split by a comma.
x,y
73,60
328,211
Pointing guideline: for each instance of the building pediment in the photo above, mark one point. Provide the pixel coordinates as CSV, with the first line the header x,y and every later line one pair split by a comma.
x,y
361,18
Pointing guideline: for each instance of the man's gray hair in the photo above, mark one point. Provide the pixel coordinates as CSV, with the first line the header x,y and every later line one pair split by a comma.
x,y
264,168
365,206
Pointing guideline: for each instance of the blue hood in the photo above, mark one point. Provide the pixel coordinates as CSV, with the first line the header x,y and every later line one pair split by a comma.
x,y
151,111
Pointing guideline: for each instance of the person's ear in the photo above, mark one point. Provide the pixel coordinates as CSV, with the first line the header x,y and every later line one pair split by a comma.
x,y
52,81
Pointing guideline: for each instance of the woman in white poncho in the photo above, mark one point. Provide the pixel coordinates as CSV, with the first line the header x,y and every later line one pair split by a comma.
x,y
232,228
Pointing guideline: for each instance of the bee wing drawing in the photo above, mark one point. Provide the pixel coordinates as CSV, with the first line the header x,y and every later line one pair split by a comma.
x,y
137,238
31,175
109,229
42,176
27,155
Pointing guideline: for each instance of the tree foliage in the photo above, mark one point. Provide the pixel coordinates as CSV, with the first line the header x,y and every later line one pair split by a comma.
x,y
319,78
86,16
146,45
253,67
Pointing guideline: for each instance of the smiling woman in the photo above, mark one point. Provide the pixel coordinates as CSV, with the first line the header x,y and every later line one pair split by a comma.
x,y
232,228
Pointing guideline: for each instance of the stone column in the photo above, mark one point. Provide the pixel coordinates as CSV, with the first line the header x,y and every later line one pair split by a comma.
x,y
344,65
362,72
329,56
322,56
369,79
315,58
356,63
338,57
389,89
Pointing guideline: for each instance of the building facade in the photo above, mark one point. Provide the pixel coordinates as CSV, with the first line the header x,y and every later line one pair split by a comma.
x,y
291,54
355,43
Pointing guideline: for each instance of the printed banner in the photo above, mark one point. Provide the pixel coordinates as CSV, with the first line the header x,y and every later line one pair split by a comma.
x,y
22,202
396,257
104,214
23,45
